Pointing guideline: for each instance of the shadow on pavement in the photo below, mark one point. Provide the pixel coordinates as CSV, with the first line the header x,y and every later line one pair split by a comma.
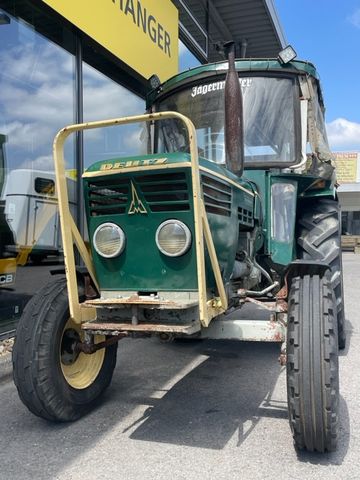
x,y
28,442
201,394
226,395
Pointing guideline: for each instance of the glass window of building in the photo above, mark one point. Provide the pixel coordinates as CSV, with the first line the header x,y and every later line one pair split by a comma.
x,y
40,93
105,99
36,100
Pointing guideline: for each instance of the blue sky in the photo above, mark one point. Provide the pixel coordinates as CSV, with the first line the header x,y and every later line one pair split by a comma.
x,y
327,32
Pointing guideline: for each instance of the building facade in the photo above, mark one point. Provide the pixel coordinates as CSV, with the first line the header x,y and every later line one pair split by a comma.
x,y
65,62
348,177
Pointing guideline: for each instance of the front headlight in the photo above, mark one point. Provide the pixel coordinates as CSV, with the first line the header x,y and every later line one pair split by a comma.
x,y
109,240
173,238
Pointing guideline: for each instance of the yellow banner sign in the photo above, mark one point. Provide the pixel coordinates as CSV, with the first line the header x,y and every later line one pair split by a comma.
x,y
142,33
346,166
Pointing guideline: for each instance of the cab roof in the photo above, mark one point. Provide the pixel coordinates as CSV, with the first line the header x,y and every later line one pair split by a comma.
x,y
219,68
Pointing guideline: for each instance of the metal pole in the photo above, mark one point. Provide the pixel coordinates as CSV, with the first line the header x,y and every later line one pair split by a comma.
x,y
79,141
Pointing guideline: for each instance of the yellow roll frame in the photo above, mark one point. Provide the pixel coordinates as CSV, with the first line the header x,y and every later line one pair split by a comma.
x,y
208,308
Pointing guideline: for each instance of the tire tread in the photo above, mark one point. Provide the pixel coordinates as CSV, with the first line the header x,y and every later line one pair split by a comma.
x,y
32,351
312,366
319,238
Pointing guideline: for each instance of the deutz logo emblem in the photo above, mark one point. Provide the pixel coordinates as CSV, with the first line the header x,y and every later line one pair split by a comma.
x,y
136,205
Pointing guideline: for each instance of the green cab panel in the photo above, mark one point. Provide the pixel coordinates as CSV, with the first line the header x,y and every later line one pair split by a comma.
x,y
281,196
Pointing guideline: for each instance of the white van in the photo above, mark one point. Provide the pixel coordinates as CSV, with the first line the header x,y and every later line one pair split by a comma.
x,y
31,208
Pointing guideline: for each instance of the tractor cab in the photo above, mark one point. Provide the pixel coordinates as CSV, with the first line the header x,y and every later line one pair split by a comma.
x,y
283,113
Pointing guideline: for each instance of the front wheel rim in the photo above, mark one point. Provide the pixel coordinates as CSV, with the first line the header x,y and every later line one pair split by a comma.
x,y
80,370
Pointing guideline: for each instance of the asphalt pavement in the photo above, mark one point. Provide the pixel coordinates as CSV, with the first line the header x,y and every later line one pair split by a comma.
x,y
187,410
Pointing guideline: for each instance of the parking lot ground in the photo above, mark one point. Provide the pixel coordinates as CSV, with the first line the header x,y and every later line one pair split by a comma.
x,y
188,410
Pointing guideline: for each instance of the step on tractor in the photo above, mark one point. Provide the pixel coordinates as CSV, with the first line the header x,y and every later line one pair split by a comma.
x,y
233,204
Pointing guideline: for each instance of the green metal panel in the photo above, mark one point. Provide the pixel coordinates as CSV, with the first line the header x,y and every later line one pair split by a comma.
x,y
258,178
141,266
308,186
138,161
224,225
225,231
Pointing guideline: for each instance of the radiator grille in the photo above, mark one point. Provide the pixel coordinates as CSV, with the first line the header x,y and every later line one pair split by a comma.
x,y
245,216
217,196
162,192
166,192
108,199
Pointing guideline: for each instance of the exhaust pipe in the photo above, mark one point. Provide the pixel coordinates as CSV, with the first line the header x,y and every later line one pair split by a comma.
x,y
234,131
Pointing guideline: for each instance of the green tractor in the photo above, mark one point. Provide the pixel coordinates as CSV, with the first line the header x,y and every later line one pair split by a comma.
x,y
233,204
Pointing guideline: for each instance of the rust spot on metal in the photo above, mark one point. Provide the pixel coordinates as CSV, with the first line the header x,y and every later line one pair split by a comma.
x,y
90,348
282,293
282,359
90,291
137,300
142,327
281,298
278,337
266,305
281,306
283,356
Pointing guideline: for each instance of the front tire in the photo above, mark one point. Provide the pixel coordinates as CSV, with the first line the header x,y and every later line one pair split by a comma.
x,y
53,380
312,364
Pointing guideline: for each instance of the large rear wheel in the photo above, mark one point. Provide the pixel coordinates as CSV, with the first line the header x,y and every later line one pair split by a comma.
x,y
319,238
54,380
312,364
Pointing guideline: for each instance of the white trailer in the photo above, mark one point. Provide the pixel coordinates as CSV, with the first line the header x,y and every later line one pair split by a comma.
x,y
31,208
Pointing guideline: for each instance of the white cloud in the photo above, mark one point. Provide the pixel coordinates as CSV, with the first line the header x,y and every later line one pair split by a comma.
x,y
355,18
35,64
109,101
47,104
343,134
37,99
44,163
27,136
134,142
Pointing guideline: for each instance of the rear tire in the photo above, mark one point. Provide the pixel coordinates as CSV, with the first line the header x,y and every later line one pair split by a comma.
x,y
312,364
54,381
319,238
